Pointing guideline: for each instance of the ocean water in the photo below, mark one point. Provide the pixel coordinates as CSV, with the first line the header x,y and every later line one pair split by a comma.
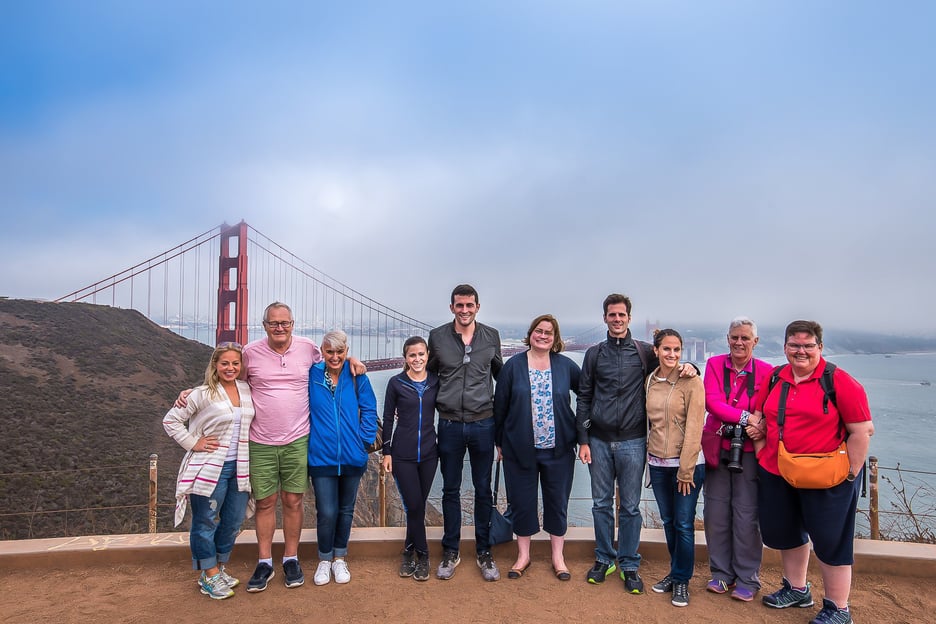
x,y
902,407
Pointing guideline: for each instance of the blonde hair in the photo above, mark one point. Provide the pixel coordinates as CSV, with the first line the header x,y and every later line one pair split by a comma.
x,y
211,373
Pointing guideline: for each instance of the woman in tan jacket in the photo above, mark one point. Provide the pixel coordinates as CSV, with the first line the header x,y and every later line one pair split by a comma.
x,y
675,413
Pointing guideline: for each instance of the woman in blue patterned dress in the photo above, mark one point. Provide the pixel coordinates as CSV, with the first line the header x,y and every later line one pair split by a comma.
x,y
534,431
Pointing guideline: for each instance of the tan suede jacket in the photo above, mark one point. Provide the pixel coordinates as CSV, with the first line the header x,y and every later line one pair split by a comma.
x,y
675,414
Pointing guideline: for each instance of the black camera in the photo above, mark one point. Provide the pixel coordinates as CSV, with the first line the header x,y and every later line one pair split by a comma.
x,y
731,457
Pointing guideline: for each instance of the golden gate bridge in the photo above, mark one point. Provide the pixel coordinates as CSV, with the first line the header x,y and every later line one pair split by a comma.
x,y
213,287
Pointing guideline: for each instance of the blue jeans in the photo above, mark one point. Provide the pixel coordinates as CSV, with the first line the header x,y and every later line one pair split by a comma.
x,y
454,439
216,520
677,512
621,462
334,512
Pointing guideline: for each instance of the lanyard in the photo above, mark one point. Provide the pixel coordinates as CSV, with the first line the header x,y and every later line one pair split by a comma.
x,y
750,384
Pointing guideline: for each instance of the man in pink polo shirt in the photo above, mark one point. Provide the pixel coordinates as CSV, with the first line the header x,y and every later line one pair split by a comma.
x,y
277,369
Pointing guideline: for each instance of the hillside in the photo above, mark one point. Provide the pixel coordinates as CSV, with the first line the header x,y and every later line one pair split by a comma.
x,y
86,387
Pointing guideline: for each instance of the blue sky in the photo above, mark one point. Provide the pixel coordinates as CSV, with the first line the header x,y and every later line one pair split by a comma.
x,y
709,159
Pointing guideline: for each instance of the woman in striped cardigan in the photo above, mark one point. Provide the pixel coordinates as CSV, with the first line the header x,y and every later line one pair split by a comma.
x,y
215,472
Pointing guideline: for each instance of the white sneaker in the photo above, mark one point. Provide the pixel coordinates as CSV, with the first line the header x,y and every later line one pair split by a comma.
x,y
341,571
322,573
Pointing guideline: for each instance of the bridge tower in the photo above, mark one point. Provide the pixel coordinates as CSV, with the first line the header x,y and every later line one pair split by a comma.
x,y
232,293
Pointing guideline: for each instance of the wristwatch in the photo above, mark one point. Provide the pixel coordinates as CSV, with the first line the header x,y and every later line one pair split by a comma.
x,y
851,476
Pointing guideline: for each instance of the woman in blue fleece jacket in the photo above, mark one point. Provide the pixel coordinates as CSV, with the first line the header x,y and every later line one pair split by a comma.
x,y
343,421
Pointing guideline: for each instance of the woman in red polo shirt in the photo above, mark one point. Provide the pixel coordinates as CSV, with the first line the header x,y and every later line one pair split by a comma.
x,y
790,517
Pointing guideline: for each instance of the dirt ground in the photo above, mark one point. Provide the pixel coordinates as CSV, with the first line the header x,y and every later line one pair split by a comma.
x,y
164,593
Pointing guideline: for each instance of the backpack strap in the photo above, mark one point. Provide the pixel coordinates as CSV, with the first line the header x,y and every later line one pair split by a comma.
x,y
642,354
781,407
827,381
774,377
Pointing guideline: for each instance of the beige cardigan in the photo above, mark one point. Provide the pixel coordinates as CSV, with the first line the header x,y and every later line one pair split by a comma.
x,y
208,415
675,415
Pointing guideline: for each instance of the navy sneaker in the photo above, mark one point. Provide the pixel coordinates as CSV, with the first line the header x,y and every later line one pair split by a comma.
x,y
293,573
261,576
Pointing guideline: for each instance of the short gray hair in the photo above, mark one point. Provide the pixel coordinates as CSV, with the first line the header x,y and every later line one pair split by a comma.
x,y
738,321
336,339
275,304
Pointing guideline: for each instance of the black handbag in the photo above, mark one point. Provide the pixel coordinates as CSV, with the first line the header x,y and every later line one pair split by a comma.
x,y
501,525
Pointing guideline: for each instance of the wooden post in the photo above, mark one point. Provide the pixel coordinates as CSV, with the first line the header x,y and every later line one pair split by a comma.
x,y
873,501
153,460
382,493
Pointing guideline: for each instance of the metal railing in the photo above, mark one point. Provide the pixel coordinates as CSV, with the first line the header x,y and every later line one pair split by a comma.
x,y
912,516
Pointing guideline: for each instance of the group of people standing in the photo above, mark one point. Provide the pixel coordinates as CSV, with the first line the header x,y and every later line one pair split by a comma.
x,y
638,407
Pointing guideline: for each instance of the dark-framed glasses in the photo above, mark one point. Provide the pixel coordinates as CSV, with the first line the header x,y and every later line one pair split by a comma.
x,y
278,324
808,348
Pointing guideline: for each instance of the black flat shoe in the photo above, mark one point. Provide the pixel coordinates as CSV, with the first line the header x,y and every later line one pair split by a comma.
x,y
562,575
516,573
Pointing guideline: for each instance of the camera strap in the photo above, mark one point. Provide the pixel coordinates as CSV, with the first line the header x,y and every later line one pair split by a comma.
x,y
749,386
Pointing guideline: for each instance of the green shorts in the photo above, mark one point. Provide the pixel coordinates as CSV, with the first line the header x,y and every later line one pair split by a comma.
x,y
275,468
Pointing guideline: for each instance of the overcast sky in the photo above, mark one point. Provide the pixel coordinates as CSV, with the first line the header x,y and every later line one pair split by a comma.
x,y
774,159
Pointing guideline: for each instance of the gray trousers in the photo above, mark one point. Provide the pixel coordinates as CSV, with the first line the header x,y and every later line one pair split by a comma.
x,y
732,529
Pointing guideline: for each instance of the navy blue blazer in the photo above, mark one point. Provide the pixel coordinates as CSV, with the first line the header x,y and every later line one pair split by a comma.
x,y
513,414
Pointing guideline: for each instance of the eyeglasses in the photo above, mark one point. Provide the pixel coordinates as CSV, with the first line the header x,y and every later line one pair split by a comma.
x,y
545,333
278,324
229,345
808,348
467,357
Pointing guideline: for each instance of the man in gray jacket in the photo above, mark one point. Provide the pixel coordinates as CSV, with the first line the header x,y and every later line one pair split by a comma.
x,y
466,355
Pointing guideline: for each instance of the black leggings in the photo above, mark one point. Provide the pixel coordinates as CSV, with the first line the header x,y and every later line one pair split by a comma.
x,y
414,480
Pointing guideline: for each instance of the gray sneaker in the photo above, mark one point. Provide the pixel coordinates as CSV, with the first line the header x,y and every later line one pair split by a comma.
x,y
488,568
450,561
214,586
230,580
680,594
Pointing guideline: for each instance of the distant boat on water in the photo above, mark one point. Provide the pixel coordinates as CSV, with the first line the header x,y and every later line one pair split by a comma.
x,y
925,383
